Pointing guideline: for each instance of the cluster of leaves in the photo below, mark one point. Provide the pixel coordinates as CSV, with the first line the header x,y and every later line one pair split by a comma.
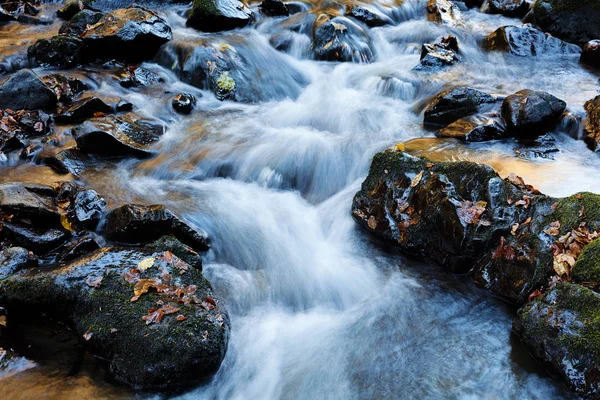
x,y
16,126
165,286
568,247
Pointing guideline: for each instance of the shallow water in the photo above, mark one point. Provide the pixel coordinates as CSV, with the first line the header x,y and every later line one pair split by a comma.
x,y
318,309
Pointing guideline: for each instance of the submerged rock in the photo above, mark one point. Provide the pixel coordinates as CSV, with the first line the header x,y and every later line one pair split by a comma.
x,y
59,51
134,223
591,123
531,113
219,15
338,39
118,135
368,16
573,21
561,329
150,316
450,105
475,128
591,54
24,90
527,42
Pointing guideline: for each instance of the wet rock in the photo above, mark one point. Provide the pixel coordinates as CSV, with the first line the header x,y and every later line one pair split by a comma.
x,y
130,34
152,318
36,239
573,21
369,17
274,8
543,146
22,11
184,103
450,105
78,246
17,127
88,208
591,54
59,51
82,109
69,161
80,22
14,259
118,135
134,223
561,329
65,87
135,76
509,8
186,253
531,113
475,128
215,16
587,267
591,123
527,42
25,90
439,54
339,40
442,12
29,201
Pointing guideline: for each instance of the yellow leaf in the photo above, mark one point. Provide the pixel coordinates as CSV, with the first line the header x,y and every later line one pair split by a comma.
x,y
146,263
64,220
400,147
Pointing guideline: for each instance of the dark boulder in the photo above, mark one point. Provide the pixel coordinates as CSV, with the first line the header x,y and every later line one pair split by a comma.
x,y
184,103
131,34
28,201
338,39
591,123
65,87
37,239
439,54
149,315
80,22
591,54
450,105
118,135
475,128
68,161
527,42
509,8
573,21
82,109
274,8
60,51
368,16
531,113
561,329
442,12
219,15
138,224
25,90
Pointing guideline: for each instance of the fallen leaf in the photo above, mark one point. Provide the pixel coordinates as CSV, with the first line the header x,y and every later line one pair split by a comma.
x,y
94,281
534,295
400,147
131,276
553,229
415,181
146,263
514,229
504,250
169,309
88,335
181,318
154,316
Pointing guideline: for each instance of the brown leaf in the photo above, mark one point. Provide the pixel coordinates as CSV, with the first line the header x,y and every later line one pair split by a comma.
x,y
169,309
514,228
181,318
94,281
88,335
553,229
131,276
154,316
504,250
415,181
534,295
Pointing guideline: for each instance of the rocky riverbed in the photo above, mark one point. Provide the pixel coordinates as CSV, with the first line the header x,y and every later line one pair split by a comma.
x,y
291,199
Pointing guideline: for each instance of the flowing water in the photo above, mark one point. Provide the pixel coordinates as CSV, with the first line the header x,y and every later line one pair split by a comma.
x,y
318,309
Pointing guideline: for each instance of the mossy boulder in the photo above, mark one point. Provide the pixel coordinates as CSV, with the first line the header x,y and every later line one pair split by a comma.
x,y
151,316
591,123
587,267
562,329
575,21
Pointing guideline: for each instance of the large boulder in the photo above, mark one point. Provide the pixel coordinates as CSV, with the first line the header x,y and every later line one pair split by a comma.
x,y
120,135
130,34
591,54
24,90
591,123
452,104
531,113
219,15
573,21
526,42
59,51
148,314
561,329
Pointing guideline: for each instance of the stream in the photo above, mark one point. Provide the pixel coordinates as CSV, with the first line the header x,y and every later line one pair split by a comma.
x,y
318,309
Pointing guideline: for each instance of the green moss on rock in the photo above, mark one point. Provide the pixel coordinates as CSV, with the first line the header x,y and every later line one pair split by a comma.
x,y
587,267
